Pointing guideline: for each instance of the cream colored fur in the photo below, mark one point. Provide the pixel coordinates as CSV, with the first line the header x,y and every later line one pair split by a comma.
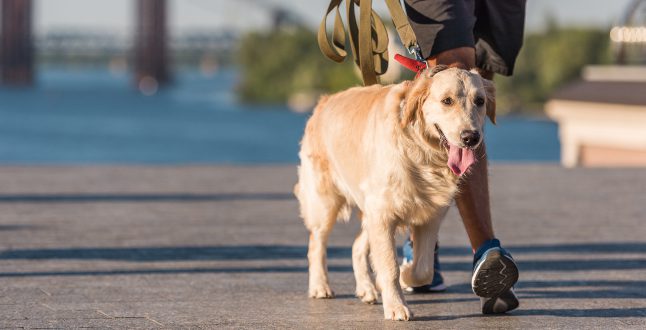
x,y
378,149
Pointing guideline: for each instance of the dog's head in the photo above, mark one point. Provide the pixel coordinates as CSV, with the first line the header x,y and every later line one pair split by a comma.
x,y
450,104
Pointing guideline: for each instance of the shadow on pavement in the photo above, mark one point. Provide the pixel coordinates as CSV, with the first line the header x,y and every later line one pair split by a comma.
x,y
130,198
570,289
565,312
17,227
176,253
573,287
260,252
169,271
299,252
593,312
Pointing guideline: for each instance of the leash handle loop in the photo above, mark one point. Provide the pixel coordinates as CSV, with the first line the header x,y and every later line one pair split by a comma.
x,y
368,39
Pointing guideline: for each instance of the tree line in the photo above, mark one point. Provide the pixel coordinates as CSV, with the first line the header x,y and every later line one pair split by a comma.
x,y
276,65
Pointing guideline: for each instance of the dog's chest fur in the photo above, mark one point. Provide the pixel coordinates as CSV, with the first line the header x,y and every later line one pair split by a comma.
x,y
428,187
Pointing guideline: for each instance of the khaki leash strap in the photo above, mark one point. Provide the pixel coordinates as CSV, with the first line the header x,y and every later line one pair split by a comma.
x,y
368,39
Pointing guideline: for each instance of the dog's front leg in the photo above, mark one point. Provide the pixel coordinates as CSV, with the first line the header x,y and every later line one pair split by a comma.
x,y
381,235
424,237
420,271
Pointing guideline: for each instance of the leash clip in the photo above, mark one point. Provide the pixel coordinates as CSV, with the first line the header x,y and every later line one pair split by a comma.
x,y
417,53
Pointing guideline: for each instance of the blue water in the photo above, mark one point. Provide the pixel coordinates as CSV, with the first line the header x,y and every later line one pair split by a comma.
x,y
87,117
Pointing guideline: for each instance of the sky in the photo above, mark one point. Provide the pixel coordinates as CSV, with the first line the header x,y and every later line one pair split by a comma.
x,y
186,15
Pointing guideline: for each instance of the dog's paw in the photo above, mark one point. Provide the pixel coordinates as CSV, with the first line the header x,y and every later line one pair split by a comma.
x,y
406,276
322,291
367,293
397,313
409,277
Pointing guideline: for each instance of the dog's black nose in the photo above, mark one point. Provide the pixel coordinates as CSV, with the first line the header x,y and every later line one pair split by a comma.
x,y
470,138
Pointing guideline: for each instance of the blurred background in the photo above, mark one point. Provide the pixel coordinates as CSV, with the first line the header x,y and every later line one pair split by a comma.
x,y
211,81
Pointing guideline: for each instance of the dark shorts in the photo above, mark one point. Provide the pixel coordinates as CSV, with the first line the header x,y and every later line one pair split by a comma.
x,y
493,27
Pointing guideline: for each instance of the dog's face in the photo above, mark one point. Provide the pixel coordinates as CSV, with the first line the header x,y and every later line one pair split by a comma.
x,y
452,104
456,106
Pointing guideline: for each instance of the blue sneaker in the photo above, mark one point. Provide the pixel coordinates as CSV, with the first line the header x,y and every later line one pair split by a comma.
x,y
437,285
494,275
494,270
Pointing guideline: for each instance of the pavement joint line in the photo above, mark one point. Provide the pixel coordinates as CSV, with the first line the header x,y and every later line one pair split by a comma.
x,y
154,321
45,292
104,314
47,306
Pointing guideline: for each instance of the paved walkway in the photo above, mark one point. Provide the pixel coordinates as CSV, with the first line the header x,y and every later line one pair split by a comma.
x,y
222,247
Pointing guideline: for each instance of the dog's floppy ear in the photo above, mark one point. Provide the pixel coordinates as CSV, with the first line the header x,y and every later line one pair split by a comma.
x,y
490,89
418,93
413,101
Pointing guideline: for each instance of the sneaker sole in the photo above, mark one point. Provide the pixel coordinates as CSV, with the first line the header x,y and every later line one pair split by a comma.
x,y
495,275
504,303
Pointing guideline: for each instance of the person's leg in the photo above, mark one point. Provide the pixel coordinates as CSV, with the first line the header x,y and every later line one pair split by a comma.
x,y
473,197
447,34
494,271
472,201
444,30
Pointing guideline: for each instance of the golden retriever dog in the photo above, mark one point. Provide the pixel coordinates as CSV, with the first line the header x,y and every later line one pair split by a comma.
x,y
397,154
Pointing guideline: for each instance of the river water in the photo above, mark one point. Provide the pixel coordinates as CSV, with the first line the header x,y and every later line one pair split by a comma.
x,y
97,117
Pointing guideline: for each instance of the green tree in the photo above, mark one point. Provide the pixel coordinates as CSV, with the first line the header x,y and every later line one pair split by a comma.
x,y
278,64
547,61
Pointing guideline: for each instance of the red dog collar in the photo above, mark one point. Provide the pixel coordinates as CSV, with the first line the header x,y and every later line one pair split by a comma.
x,y
411,64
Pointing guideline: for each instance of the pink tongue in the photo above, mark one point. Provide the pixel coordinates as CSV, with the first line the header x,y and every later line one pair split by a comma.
x,y
460,159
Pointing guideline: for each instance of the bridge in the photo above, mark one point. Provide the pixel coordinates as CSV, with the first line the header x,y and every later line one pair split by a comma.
x,y
150,44
17,59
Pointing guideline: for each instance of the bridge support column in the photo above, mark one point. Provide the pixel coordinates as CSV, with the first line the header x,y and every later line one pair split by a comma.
x,y
151,62
17,59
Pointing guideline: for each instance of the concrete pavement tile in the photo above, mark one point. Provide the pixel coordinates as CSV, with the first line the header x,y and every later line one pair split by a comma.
x,y
223,247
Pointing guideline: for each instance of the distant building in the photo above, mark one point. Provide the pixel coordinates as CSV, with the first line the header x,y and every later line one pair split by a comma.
x,y
602,118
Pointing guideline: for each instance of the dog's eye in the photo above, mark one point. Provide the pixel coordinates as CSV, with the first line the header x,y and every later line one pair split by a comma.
x,y
447,101
479,101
